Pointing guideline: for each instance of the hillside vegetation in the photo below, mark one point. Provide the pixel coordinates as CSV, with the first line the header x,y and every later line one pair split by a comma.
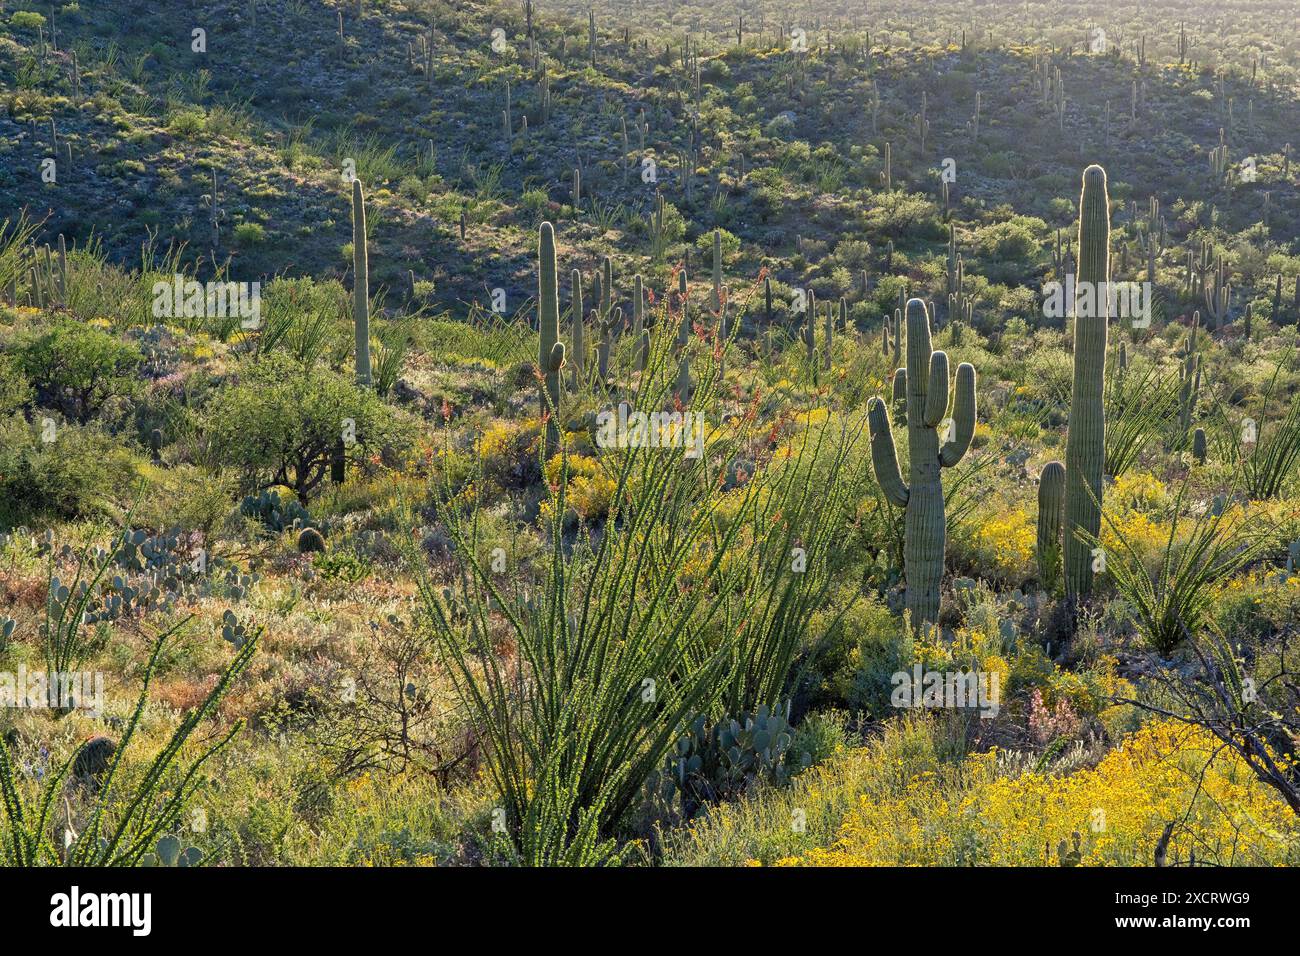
x,y
541,434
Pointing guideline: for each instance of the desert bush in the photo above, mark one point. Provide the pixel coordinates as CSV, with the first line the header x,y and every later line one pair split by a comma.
x,y
278,421
76,368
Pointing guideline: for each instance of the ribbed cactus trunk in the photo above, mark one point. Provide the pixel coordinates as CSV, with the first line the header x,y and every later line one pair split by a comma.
x,y
827,335
1085,446
930,449
360,285
1051,500
715,298
550,350
683,387
638,306
577,316
924,527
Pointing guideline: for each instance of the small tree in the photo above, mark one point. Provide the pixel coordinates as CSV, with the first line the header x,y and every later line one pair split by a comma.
x,y
76,368
279,421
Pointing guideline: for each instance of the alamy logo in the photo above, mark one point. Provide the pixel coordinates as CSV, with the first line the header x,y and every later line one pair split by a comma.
x,y
191,299
133,910
947,690
1091,300
64,690
629,429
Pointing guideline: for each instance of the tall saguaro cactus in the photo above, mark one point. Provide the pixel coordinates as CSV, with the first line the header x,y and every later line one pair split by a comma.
x,y
924,523
550,350
360,284
1085,446
577,317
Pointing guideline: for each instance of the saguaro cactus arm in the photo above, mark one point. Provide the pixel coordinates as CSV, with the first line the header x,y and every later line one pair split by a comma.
x,y
963,417
884,457
936,391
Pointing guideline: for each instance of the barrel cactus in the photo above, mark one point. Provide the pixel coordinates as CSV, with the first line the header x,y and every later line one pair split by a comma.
x,y
927,396
1085,447
309,540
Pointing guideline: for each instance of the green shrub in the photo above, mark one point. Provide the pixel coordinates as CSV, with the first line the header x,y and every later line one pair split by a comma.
x,y
15,390
74,476
77,368
278,422
249,234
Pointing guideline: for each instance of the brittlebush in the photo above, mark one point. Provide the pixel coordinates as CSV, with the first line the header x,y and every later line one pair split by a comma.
x,y
1120,808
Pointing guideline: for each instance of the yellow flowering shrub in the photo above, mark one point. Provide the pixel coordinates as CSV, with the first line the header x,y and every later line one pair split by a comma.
x,y
973,814
590,490
1137,490
1004,542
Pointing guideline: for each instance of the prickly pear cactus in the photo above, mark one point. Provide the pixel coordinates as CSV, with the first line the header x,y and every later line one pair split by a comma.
x,y
712,763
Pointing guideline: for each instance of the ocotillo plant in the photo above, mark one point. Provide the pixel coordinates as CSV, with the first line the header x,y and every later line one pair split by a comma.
x,y
360,285
924,523
550,350
1051,499
1085,447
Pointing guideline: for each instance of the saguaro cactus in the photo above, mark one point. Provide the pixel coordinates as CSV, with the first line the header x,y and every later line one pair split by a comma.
x,y
360,284
828,330
577,316
1085,446
550,350
924,523
682,391
715,299
1051,499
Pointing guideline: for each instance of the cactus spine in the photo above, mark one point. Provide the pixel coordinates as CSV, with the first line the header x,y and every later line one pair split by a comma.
x,y
1085,448
360,284
550,350
927,394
